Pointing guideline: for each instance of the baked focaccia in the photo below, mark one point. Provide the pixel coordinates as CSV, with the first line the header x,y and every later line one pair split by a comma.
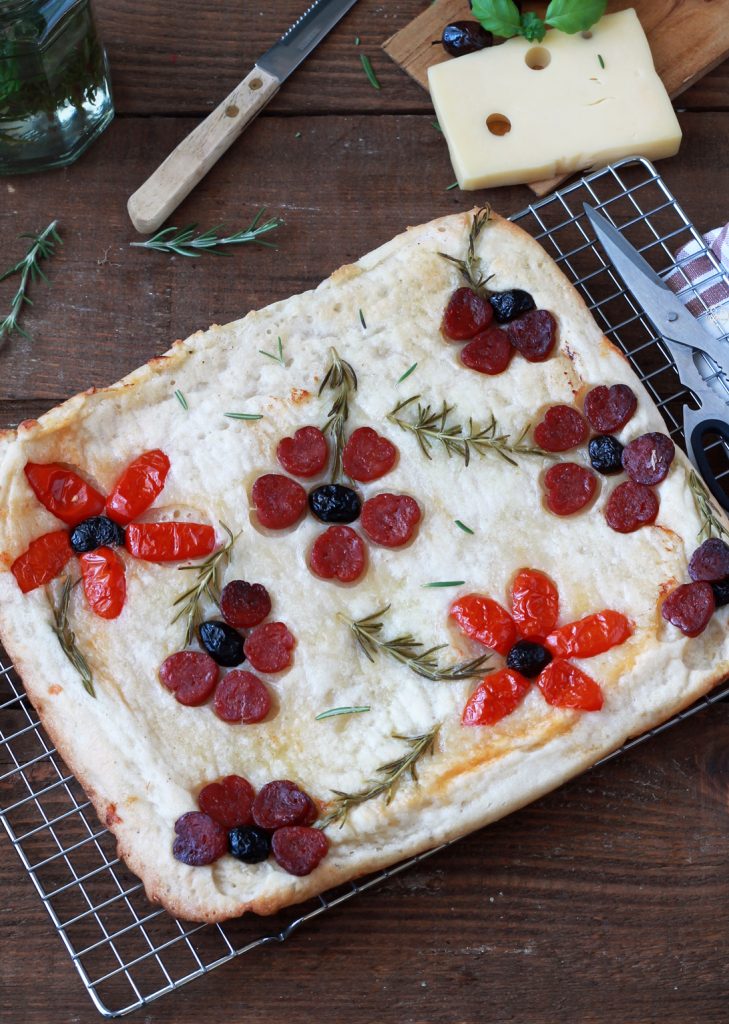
x,y
496,517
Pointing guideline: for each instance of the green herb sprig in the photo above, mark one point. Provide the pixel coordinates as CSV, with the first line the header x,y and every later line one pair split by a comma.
x,y
711,526
42,248
206,584
471,266
502,17
67,638
409,651
431,428
342,380
278,356
390,773
184,241
335,712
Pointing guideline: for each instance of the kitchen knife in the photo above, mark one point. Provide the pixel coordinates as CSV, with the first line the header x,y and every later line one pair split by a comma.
x,y
186,165
684,336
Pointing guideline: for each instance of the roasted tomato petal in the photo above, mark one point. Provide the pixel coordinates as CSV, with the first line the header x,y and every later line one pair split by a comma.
x,y
169,541
63,492
138,487
484,620
496,697
43,561
564,685
592,635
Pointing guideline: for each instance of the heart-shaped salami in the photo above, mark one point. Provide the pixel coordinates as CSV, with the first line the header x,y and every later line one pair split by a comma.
x,y
608,409
569,488
305,454
561,429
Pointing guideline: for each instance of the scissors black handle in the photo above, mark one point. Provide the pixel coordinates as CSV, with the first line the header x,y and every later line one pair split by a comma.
x,y
698,433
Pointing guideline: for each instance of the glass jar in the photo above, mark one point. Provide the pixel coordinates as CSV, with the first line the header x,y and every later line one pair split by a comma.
x,y
55,92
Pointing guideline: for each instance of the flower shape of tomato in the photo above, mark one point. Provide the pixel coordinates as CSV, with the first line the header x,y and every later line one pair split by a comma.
x,y
339,553
96,524
535,648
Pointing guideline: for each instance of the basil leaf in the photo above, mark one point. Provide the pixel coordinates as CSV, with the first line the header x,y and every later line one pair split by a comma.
x,y
574,15
532,27
498,16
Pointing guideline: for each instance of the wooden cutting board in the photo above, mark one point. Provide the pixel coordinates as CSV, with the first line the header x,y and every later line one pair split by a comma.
x,y
688,38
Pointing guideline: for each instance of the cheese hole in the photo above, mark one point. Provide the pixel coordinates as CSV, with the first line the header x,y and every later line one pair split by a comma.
x,y
537,58
498,124
586,35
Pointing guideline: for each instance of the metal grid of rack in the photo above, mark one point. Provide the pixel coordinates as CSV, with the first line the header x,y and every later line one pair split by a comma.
x,y
128,952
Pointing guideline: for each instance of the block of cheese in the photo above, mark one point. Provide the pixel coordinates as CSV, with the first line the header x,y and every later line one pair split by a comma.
x,y
523,111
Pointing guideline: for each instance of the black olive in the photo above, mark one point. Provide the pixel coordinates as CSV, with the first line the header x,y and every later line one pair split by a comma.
x,y
721,592
507,305
249,844
606,454
528,658
462,37
335,503
221,642
96,532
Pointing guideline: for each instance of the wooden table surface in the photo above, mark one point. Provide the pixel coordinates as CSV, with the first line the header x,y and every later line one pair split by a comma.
x,y
604,903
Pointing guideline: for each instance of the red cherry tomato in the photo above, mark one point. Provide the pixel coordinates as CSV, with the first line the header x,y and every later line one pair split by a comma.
x,y
484,620
169,542
104,582
534,604
564,685
63,492
138,486
592,635
43,560
495,698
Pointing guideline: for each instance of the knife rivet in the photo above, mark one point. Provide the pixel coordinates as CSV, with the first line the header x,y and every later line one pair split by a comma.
x,y
255,83
232,111
671,317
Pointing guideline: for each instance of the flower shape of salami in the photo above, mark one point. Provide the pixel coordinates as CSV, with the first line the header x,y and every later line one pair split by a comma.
x,y
535,648
339,553
95,525
569,486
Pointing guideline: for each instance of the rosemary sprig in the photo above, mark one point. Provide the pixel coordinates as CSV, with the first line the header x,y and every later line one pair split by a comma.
x,y
408,651
278,357
207,583
712,526
43,248
432,428
335,712
342,380
185,242
471,266
67,638
390,773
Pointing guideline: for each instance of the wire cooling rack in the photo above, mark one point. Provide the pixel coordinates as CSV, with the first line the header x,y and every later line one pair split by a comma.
x,y
126,951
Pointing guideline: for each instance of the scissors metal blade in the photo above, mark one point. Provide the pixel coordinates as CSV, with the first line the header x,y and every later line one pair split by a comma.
x,y
668,313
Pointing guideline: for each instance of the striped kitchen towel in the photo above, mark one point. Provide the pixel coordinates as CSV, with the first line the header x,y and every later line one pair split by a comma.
x,y
703,275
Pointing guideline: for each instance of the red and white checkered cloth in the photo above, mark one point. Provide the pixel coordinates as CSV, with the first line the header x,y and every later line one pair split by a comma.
x,y
702,274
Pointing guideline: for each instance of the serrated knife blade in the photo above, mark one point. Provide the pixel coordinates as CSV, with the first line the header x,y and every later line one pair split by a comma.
x,y
191,160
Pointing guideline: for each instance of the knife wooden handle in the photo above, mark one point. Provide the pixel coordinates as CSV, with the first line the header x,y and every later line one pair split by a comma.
x,y
186,165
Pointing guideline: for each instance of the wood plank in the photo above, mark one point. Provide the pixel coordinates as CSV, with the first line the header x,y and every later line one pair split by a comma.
x,y
111,307
703,31
604,903
173,58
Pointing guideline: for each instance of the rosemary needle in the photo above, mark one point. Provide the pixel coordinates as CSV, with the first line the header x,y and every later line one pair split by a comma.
x,y
449,187
443,583
407,373
462,526
362,320
181,399
602,62
369,71
244,415
333,712
276,358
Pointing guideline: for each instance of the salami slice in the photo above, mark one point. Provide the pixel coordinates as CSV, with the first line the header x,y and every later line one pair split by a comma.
x,y
243,605
690,607
269,647
631,506
305,454
190,675
278,500
390,519
228,801
561,429
647,459
299,850
533,334
242,697
608,409
569,488
466,314
489,352
199,839
710,561
282,803
368,455
338,554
